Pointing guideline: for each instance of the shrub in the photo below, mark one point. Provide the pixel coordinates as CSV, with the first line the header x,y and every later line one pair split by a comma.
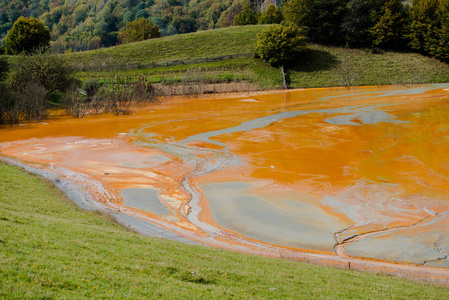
x,y
50,71
74,103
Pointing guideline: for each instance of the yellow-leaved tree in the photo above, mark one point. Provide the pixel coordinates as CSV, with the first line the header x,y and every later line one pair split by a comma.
x,y
139,30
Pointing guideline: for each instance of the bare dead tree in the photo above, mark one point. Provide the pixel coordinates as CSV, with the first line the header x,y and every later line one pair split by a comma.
x,y
348,70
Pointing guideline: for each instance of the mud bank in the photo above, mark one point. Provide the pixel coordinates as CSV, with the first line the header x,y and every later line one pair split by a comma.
x,y
354,178
86,201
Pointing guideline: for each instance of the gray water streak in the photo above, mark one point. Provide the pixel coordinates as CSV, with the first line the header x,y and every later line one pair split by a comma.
x,y
371,115
224,158
403,92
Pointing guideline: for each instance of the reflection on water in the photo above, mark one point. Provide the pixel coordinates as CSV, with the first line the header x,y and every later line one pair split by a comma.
x,y
346,172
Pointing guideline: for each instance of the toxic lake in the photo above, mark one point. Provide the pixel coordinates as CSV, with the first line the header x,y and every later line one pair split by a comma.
x,y
360,173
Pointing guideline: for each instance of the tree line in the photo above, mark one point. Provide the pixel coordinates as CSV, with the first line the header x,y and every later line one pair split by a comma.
x,y
422,26
81,25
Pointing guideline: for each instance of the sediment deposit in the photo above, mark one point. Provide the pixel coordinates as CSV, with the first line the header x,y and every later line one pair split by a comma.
x,y
321,174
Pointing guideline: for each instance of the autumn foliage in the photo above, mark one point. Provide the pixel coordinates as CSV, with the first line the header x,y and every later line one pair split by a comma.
x,y
140,30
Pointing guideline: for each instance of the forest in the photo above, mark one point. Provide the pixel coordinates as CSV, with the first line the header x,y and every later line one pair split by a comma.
x,y
79,25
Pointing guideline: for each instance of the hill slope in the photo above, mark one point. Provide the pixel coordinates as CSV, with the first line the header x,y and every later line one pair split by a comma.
x,y
51,249
80,25
320,66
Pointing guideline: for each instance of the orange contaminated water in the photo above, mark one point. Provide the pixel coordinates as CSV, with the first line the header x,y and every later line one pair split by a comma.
x,y
354,173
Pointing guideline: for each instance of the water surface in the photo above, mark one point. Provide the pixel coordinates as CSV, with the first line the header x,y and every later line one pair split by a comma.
x,y
358,173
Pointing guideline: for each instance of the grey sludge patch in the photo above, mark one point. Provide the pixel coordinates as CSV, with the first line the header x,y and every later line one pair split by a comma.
x,y
417,248
146,199
280,221
365,117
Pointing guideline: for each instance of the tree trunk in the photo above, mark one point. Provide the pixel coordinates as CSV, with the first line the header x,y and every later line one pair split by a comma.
x,y
284,82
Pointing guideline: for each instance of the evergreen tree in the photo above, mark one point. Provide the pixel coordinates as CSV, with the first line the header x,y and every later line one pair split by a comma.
x,y
271,16
246,16
424,26
389,29
320,19
359,20
442,52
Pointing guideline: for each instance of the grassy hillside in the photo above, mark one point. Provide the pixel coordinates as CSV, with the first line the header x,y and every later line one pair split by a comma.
x,y
319,66
211,43
51,249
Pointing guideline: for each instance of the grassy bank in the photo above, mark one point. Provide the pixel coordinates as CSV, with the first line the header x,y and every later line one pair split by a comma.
x,y
51,249
320,66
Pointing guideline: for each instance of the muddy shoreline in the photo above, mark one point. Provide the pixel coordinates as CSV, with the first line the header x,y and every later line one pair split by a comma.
x,y
85,201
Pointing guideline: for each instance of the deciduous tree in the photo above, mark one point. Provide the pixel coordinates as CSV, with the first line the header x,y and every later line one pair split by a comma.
x,y
279,44
140,30
27,35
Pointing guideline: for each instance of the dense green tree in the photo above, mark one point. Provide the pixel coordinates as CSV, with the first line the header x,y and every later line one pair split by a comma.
x,y
128,17
389,29
320,19
139,30
442,52
81,13
142,14
429,28
141,6
271,16
358,21
425,25
280,44
184,24
108,39
246,16
27,35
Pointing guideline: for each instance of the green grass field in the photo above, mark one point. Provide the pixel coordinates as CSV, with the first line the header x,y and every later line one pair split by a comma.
x,y
211,43
49,249
319,66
